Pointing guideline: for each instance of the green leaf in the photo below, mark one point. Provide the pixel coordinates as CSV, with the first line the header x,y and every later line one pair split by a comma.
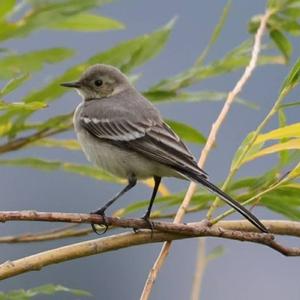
x,y
292,10
289,131
5,127
150,47
254,23
215,253
6,6
235,59
289,105
47,165
284,200
295,173
12,65
87,22
57,122
282,42
247,184
237,161
55,143
284,155
21,106
168,96
136,51
289,25
13,84
186,132
166,202
289,145
44,14
291,80
215,35
47,289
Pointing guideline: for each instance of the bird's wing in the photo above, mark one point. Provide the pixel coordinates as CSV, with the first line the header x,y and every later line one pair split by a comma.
x,y
118,130
154,140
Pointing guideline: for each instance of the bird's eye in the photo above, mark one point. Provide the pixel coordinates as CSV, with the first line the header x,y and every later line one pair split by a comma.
x,y
98,82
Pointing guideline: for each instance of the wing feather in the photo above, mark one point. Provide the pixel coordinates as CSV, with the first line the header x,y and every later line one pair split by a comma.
x,y
154,140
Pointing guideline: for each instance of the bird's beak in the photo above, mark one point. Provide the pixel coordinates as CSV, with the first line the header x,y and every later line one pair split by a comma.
x,y
75,84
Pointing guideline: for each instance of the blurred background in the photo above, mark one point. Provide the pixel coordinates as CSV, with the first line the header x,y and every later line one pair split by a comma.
x,y
245,271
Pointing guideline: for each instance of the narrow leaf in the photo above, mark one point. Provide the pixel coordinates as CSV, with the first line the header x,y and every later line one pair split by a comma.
x,y
289,145
12,65
170,96
282,42
55,143
13,84
237,160
186,132
215,253
216,33
290,131
47,289
6,6
87,22
5,128
47,165
21,106
291,80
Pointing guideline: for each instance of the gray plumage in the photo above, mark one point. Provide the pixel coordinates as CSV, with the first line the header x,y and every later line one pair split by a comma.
x,y
121,132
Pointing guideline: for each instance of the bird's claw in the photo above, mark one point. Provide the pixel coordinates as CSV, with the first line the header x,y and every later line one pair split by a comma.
x,y
149,223
105,225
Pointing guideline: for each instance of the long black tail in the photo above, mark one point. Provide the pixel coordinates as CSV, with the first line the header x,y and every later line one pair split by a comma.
x,y
233,203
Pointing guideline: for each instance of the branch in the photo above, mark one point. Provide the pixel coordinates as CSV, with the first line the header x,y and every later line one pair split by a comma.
x,y
208,146
47,235
202,228
281,227
167,232
201,263
21,142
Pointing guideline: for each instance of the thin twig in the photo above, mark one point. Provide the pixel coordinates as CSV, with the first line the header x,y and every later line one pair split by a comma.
x,y
21,142
201,263
48,235
208,146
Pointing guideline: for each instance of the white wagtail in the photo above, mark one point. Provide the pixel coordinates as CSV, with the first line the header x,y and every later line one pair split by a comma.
x,y
121,132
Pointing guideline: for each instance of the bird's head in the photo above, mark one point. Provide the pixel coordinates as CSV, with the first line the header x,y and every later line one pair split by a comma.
x,y
100,81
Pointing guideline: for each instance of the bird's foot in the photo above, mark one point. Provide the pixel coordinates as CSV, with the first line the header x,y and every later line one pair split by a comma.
x,y
100,212
149,223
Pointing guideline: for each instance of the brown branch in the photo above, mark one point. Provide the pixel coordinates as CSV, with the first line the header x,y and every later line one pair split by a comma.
x,y
47,235
71,231
21,142
200,266
291,228
171,232
236,230
208,146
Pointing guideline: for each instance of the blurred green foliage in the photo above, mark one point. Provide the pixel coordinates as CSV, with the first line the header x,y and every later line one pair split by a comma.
x,y
47,289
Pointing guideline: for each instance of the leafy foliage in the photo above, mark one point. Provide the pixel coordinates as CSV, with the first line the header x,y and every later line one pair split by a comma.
x,y
282,23
17,130
47,289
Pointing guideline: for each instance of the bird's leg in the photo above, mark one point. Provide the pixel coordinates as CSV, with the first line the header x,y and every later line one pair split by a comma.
x,y
146,217
101,211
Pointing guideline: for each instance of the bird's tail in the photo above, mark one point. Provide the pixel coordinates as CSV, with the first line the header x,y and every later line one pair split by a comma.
x,y
200,178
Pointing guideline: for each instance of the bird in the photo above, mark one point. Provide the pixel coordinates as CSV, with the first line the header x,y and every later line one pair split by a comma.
x,y
123,133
